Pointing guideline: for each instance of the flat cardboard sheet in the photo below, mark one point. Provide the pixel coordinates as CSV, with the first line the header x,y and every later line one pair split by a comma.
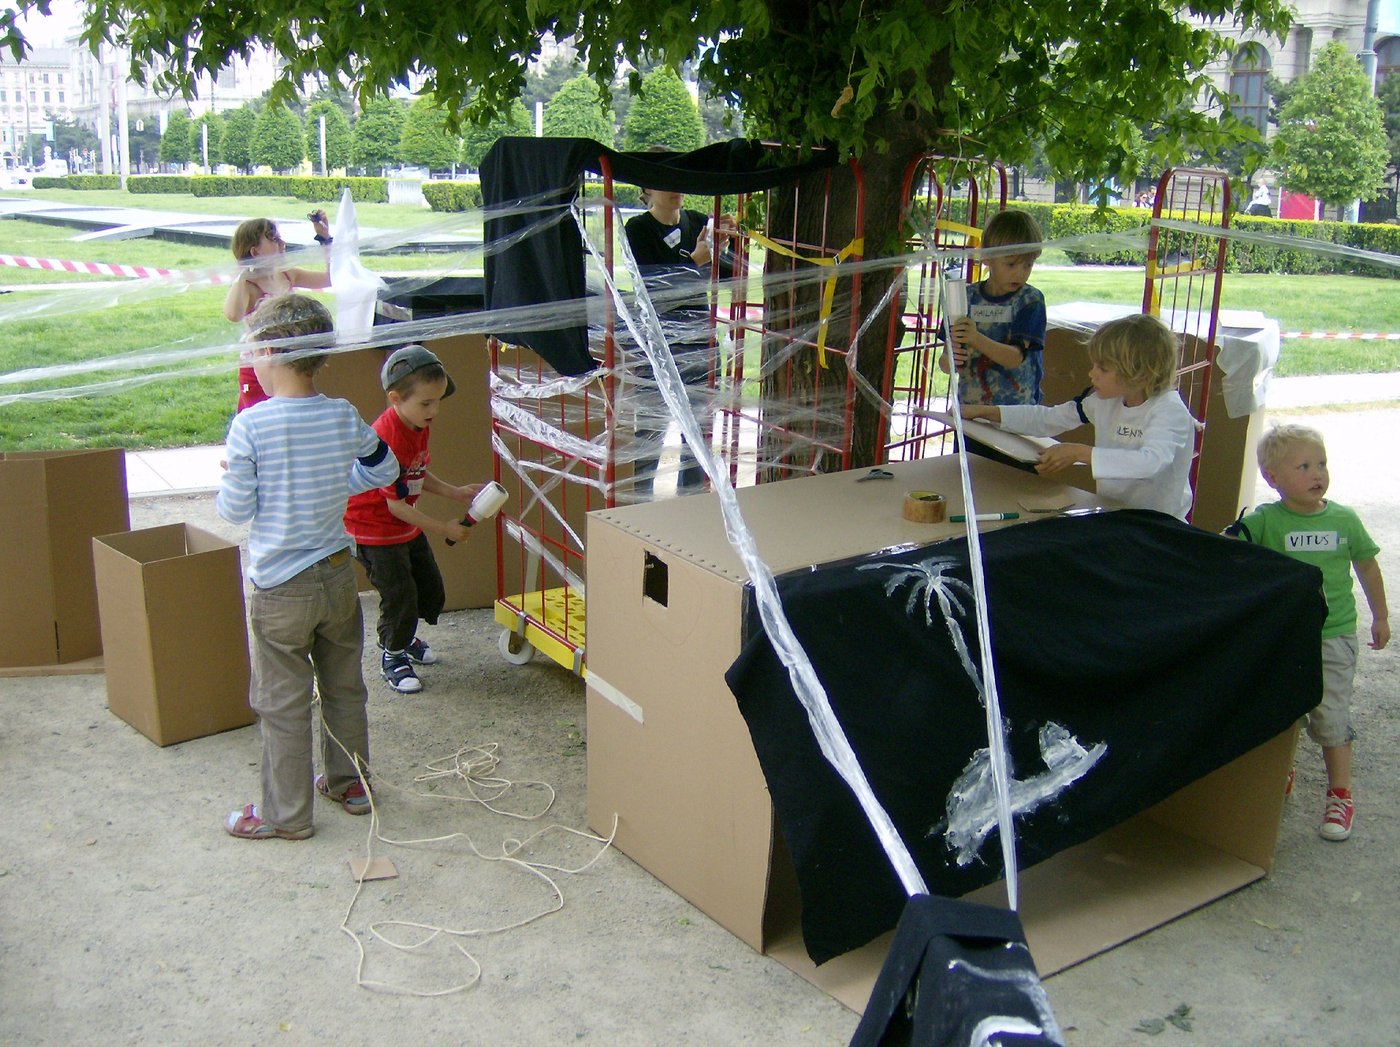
x,y
55,501
1022,448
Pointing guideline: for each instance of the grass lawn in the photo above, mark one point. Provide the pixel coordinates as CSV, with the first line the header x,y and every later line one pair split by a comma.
x,y
195,406
1298,303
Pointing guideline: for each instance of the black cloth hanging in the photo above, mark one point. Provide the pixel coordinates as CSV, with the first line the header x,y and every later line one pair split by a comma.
x,y
955,968
1178,649
536,257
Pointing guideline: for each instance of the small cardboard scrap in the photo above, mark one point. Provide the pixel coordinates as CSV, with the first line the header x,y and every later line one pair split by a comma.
x,y
363,869
1020,448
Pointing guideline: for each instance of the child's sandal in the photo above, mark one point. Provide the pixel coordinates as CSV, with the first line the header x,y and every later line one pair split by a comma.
x,y
247,824
354,799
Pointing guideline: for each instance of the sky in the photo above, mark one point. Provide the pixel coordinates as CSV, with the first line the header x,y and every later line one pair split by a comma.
x,y
64,17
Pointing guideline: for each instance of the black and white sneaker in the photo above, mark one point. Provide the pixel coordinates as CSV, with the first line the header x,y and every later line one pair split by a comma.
x,y
398,672
420,652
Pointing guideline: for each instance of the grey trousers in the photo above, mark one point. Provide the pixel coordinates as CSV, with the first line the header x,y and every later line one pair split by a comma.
x,y
308,632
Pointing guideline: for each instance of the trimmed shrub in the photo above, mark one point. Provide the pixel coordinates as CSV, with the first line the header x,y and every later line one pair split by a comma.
x,y
158,184
88,181
312,188
452,196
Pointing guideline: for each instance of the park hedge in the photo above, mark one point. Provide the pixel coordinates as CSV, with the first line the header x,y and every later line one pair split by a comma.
x,y
452,196
312,188
158,184
1066,221
87,182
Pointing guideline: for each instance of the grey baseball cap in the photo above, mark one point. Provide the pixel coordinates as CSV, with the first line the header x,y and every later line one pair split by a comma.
x,y
403,362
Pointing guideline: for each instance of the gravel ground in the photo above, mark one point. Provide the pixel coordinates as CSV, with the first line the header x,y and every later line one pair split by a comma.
x,y
129,917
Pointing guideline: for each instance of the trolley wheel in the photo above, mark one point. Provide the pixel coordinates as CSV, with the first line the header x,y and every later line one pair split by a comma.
x,y
515,648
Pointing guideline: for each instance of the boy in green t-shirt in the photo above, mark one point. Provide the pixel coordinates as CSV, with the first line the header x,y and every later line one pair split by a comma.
x,y
1305,525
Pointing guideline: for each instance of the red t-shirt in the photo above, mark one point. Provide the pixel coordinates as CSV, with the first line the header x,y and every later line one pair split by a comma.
x,y
367,515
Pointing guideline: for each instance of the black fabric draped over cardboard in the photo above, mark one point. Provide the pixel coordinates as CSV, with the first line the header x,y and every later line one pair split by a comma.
x,y
547,265
1178,649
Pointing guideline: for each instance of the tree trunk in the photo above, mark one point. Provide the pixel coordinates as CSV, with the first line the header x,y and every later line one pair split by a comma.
x,y
880,182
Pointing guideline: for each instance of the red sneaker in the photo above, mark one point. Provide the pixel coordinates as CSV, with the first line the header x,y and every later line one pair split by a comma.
x,y
1336,822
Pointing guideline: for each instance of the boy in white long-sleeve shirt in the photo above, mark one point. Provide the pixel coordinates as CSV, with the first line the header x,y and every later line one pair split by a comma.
x,y
1144,434
293,462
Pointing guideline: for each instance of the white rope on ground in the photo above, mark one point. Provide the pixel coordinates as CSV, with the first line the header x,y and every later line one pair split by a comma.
x,y
474,765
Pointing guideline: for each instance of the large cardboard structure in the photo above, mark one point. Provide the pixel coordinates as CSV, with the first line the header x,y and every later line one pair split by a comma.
x,y
461,451
54,502
670,757
173,626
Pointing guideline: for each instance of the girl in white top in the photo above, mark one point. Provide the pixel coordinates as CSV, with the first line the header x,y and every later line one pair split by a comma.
x,y
1144,435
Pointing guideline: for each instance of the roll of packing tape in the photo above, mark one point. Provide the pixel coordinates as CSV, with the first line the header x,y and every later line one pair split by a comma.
x,y
924,507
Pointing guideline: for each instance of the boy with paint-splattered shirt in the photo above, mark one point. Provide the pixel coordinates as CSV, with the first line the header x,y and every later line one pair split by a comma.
x,y
997,346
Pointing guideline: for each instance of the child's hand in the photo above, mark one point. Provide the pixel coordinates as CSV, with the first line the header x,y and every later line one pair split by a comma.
x,y
466,492
1380,633
456,531
964,339
319,223
1061,456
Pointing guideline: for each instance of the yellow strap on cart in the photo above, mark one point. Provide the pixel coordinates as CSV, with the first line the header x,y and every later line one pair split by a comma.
x,y
856,246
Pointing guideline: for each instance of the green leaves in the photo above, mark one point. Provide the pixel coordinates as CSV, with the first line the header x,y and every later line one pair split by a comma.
x,y
1331,140
1001,74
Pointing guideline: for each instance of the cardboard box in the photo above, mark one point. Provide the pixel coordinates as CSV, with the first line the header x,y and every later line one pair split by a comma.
x,y
460,446
669,754
53,504
1228,468
174,630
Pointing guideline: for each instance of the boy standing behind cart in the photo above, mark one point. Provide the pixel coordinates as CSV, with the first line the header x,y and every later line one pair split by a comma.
x,y
388,527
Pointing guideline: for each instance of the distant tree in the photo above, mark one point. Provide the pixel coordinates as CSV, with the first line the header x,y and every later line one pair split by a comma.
x,y
544,79
1388,94
68,135
175,142
332,92
277,139
722,116
663,113
237,143
425,140
375,142
338,134
576,111
143,141
1331,140
215,124
477,140
624,87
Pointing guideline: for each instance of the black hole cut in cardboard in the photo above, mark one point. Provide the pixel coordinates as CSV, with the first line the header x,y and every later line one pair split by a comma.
x,y
654,579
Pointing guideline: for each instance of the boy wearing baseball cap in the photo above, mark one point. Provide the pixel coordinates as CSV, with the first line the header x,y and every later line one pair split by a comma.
x,y
390,531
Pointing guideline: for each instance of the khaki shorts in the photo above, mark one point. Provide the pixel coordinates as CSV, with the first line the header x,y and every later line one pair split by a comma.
x,y
1330,723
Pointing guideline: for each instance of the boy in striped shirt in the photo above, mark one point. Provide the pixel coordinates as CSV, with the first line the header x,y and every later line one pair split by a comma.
x,y
293,462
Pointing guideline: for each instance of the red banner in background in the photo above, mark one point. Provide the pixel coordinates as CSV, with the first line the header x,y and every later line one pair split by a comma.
x,y
1297,205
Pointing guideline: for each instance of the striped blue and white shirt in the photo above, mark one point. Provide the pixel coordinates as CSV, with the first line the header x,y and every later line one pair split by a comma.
x,y
292,464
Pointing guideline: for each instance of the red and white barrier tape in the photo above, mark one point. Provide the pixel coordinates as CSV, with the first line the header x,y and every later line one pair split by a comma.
x,y
106,269
1369,336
